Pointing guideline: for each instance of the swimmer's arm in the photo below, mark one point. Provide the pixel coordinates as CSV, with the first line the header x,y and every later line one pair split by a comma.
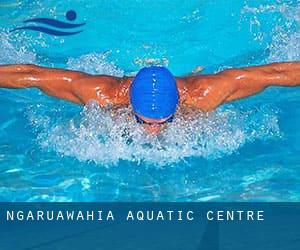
x,y
255,79
74,86
54,82
207,92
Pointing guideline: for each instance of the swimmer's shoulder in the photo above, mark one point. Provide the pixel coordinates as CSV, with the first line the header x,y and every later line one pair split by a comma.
x,y
104,89
190,86
205,92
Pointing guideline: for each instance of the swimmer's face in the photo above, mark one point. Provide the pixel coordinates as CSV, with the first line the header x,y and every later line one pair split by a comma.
x,y
153,126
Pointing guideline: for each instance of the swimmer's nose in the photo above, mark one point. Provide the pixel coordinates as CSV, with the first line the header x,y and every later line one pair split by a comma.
x,y
153,129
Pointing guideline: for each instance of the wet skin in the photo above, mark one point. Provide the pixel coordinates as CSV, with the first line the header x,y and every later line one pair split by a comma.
x,y
203,92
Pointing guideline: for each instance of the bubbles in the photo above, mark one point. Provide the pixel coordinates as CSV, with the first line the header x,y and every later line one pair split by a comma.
x,y
285,45
192,18
264,8
95,63
12,52
107,136
143,62
284,36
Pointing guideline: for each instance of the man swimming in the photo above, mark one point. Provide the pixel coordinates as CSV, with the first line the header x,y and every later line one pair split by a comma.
x,y
153,93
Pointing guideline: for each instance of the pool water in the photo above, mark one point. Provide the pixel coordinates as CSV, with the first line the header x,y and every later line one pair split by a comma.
x,y
248,150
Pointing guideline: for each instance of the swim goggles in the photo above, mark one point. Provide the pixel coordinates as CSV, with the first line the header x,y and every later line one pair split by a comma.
x,y
141,121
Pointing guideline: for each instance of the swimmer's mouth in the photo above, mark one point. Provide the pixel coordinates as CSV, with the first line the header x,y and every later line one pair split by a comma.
x,y
141,121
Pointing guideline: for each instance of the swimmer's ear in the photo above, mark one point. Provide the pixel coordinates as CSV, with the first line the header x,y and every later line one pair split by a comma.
x,y
196,71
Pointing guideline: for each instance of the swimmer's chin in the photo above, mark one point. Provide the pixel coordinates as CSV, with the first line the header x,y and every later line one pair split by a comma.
x,y
153,129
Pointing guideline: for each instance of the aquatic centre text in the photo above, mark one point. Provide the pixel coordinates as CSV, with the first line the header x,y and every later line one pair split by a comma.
x,y
141,215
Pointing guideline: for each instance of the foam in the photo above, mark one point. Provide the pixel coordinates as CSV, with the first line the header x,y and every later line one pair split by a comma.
x,y
107,136
13,51
285,37
285,45
95,63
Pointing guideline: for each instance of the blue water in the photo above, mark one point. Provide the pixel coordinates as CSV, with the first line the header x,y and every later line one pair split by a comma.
x,y
248,150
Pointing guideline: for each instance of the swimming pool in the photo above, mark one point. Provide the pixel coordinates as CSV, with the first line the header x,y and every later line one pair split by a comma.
x,y
248,150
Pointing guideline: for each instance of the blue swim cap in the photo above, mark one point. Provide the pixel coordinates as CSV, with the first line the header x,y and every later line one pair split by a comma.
x,y
154,93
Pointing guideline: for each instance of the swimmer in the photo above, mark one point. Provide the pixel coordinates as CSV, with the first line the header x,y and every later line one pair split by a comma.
x,y
154,93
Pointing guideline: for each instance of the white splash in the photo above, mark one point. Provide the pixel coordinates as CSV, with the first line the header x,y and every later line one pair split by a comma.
x,y
106,136
95,63
285,42
285,45
12,51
